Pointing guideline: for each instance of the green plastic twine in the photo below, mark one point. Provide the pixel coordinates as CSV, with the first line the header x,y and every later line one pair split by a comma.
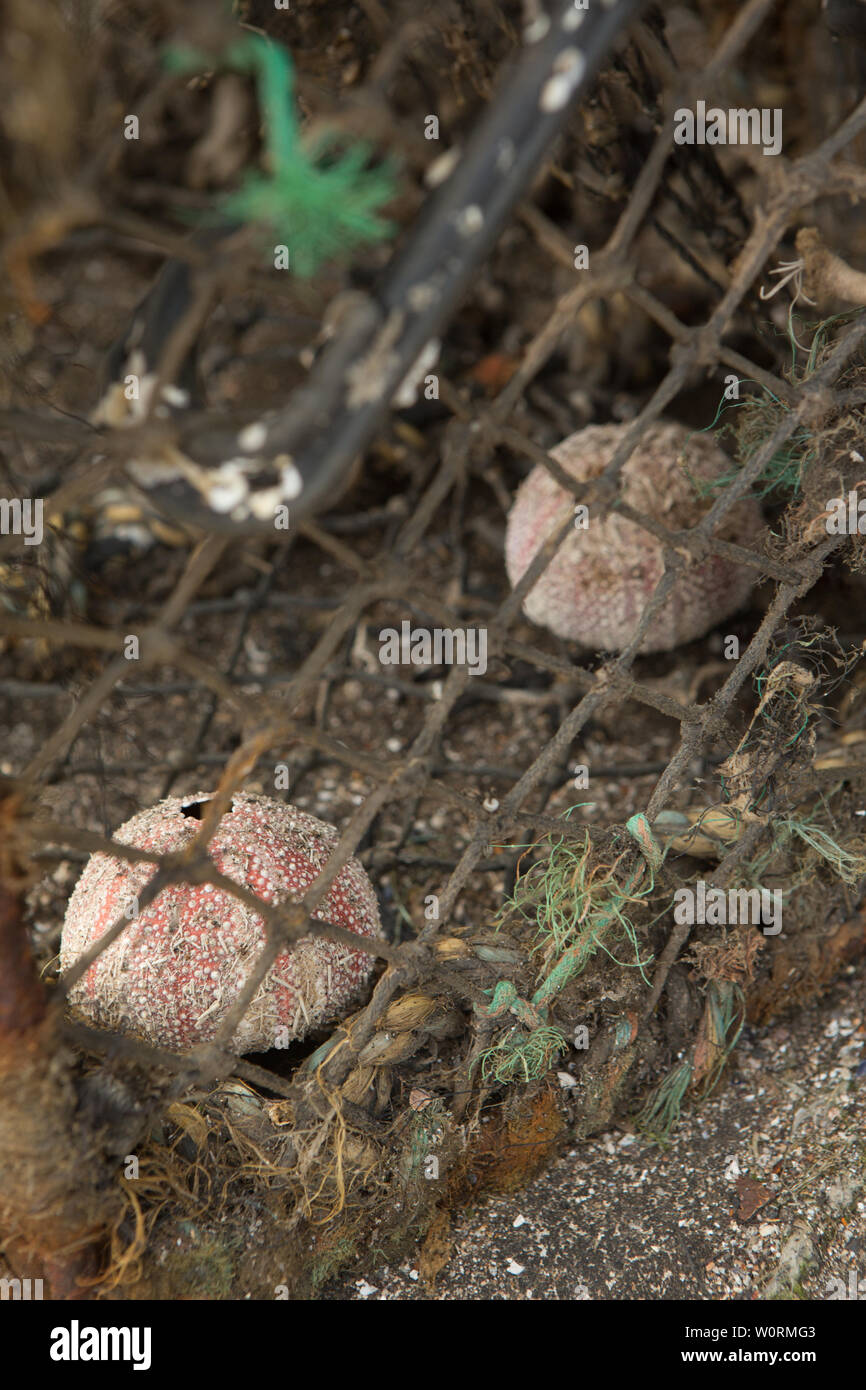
x,y
507,1000
574,959
640,830
318,200
528,1056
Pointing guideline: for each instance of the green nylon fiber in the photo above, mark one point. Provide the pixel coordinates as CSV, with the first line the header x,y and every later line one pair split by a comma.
x,y
320,200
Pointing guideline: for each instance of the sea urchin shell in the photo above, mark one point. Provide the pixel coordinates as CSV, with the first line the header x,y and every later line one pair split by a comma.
x,y
598,582
174,972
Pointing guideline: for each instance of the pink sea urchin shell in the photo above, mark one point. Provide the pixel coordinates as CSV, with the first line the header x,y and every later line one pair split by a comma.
x,y
173,973
597,584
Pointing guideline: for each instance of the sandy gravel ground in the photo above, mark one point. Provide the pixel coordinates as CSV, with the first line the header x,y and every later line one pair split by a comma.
x,y
761,1193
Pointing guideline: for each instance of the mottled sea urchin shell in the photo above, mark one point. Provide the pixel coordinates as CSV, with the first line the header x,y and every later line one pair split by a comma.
x,y
597,584
178,967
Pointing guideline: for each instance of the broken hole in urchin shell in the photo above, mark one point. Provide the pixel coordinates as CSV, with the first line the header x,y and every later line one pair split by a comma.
x,y
195,807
